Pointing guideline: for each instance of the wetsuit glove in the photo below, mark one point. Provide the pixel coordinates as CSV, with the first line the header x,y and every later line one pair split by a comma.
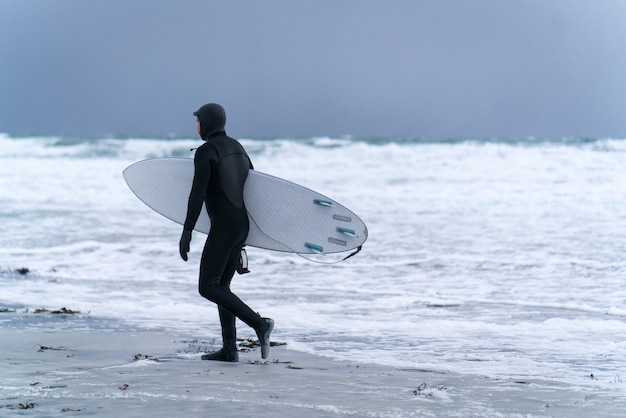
x,y
183,246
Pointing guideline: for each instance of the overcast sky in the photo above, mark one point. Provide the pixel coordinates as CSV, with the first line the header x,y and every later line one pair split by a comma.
x,y
431,68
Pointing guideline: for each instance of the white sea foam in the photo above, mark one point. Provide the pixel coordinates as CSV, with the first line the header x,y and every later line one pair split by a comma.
x,y
491,257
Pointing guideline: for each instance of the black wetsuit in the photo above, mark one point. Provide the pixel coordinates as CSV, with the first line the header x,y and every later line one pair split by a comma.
x,y
221,169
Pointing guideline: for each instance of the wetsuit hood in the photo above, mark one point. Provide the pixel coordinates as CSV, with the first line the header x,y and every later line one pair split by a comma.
x,y
212,119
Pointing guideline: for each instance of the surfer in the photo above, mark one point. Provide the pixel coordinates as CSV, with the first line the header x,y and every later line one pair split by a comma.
x,y
221,168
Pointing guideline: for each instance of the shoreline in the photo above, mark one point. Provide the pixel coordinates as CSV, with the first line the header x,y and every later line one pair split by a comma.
x,y
75,365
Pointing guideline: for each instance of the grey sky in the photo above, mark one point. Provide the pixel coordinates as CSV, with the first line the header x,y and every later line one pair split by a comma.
x,y
434,68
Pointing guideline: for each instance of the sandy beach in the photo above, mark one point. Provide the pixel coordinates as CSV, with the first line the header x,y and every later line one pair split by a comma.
x,y
65,364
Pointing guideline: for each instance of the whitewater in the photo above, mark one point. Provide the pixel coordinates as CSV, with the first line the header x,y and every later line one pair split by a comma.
x,y
502,258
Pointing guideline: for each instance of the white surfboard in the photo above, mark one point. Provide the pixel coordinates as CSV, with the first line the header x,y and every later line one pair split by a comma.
x,y
284,216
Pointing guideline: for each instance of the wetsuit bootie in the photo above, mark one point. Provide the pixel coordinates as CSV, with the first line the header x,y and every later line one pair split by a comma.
x,y
223,354
264,335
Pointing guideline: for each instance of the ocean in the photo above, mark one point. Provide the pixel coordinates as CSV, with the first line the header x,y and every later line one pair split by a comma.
x,y
501,258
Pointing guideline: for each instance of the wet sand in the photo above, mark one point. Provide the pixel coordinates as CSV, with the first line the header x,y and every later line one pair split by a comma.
x,y
73,365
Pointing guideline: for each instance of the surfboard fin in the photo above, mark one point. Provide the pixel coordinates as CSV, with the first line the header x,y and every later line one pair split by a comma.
x,y
322,202
347,232
315,248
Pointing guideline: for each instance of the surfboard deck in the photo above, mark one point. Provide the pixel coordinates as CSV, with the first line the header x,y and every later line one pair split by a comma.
x,y
284,216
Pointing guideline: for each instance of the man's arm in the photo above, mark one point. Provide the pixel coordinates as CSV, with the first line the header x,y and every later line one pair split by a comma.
x,y
201,177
